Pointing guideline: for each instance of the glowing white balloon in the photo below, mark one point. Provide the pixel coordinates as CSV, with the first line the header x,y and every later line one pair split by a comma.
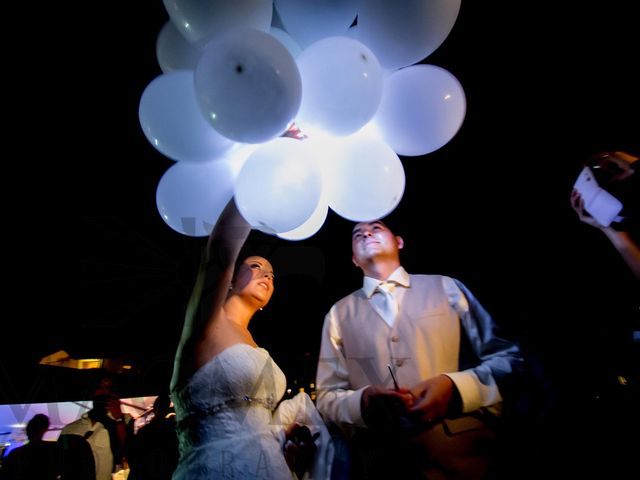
x,y
279,186
173,123
287,40
198,20
191,196
422,108
365,181
248,85
402,33
341,85
311,226
173,51
308,21
237,156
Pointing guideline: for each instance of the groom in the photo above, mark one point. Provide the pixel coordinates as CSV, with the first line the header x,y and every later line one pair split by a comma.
x,y
443,349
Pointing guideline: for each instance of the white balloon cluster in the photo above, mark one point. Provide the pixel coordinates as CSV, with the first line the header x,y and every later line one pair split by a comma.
x,y
295,107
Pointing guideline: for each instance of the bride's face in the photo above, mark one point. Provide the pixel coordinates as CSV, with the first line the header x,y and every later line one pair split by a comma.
x,y
255,279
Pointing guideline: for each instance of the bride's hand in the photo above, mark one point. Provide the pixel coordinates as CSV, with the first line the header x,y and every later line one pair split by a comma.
x,y
299,448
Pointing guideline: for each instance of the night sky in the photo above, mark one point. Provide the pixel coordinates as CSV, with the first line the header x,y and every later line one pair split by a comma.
x,y
92,268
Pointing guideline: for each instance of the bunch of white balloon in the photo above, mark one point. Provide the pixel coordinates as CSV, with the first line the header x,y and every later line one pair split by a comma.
x,y
295,107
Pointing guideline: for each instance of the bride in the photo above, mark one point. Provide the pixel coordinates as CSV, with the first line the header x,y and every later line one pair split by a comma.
x,y
226,389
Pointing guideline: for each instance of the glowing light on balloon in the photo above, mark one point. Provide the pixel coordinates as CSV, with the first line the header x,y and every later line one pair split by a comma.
x,y
279,186
199,20
311,20
248,85
287,40
365,181
191,196
294,109
341,85
422,108
401,33
237,156
311,226
174,52
173,123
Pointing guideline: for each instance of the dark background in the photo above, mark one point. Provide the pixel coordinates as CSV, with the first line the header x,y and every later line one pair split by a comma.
x,y
91,268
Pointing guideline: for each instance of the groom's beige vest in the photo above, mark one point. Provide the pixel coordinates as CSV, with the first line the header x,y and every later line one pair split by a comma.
x,y
424,340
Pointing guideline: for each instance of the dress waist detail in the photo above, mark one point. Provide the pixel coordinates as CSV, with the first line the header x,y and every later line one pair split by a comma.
x,y
244,401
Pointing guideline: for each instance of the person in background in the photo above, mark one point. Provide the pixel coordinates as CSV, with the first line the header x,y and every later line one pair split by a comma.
x,y
153,451
225,388
606,196
613,186
90,427
416,388
118,423
36,460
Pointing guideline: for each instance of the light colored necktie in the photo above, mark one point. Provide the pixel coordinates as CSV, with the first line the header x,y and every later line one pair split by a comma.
x,y
385,302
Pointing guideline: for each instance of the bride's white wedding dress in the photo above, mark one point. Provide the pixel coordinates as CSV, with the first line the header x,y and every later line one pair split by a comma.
x,y
228,424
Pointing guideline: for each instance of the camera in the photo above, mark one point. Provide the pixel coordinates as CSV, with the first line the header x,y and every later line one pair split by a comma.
x,y
600,204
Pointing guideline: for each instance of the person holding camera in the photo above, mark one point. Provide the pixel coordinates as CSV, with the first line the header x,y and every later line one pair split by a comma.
x,y
607,196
